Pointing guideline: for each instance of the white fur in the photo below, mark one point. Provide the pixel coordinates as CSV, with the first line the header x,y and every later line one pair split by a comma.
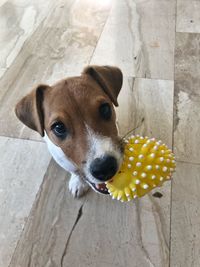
x,y
59,156
99,146
77,186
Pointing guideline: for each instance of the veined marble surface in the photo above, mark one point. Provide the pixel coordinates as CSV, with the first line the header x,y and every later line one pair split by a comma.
x,y
156,43
18,20
21,174
185,220
139,108
188,16
187,98
139,37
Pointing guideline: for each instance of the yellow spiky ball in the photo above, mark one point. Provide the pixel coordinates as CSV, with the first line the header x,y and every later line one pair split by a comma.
x,y
147,164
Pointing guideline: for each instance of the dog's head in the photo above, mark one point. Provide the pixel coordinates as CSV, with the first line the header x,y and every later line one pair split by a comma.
x,y
76,117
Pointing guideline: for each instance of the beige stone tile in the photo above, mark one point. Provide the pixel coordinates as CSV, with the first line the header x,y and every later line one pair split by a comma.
x,y
50,223
61,45
187,135
187,98
148,105
188,16
92,231
139,37
18,20
75,36
119,235
22,167
185,221
96,230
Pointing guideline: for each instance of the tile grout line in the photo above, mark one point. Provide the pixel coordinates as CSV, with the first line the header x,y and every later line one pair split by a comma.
x,y
188,162
189,33
173,111
156,79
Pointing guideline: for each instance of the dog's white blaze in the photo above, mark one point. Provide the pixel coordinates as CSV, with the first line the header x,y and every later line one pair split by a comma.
x,y
59,155
99,146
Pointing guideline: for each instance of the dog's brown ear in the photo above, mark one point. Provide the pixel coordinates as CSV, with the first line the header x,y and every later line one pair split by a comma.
x,y
109,78
29,109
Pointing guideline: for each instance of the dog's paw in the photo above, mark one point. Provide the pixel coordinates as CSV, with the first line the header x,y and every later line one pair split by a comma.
x,y
77,187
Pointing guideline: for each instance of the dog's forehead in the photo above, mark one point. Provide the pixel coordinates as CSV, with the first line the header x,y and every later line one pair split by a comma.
x,y
76,89
76,101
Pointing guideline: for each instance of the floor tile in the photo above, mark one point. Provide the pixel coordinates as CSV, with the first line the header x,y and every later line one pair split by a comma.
x,y
147,105
23,165
92,231
116,235
185,221
188,16
187,97
17,27
50,223
139,37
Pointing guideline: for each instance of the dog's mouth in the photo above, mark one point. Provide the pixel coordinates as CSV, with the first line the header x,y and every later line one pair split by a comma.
x,y
100,188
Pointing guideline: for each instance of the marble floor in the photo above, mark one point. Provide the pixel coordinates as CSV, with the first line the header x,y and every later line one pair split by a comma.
x,y
156,43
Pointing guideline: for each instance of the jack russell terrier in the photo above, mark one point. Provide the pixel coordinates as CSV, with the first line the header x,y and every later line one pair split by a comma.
x,y
77,120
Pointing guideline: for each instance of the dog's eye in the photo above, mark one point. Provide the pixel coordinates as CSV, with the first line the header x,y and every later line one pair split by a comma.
x,y
59,129
105,111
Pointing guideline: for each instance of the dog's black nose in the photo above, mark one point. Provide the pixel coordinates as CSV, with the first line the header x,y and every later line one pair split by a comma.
x,y
104,168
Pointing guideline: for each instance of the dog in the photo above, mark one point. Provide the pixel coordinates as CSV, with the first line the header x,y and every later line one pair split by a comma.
x,y
77,120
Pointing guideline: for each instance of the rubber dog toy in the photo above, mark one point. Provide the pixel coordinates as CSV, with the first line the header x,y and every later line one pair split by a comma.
x,y
147,164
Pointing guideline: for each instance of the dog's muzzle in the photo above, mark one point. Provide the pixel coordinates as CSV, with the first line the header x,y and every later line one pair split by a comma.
x,y
103,169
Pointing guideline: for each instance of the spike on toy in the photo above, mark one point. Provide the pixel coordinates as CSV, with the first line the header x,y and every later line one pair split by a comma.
x,y
147,164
